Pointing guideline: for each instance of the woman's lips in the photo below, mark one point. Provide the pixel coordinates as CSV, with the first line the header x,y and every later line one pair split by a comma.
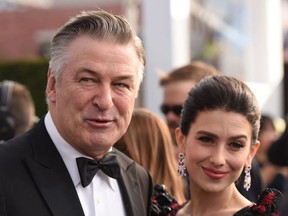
x,y
214,174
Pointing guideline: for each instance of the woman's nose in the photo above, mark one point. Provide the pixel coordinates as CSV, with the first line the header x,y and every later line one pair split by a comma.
x,y
218,156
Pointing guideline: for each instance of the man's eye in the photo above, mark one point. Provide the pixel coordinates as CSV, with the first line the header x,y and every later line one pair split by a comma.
x,y
85,79
122,85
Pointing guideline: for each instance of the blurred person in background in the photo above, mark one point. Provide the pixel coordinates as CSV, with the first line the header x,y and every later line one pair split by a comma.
x,y
278,156
272,176
148,142
66,164
17,109
278,151
176,86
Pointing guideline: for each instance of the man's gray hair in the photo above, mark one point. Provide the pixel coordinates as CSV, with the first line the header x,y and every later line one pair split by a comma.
x,y
98,25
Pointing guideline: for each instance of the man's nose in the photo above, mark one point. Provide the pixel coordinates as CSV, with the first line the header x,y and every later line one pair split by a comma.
x,y
104,98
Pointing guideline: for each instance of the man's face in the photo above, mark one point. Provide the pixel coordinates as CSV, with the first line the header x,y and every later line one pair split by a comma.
x,y
175,94
92,104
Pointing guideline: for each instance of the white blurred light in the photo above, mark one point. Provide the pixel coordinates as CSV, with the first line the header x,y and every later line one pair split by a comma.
x,y
180,9
32,3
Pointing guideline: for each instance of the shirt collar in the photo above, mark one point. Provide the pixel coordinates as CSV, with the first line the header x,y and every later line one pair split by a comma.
x,y
69,154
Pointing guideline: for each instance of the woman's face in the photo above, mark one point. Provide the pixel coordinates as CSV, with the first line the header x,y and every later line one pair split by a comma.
x,y
216,149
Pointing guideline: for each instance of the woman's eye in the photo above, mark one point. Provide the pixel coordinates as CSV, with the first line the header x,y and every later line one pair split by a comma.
x,y
205,139
236,145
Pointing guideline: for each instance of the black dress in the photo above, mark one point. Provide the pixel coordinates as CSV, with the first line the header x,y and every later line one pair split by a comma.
x,y
269,203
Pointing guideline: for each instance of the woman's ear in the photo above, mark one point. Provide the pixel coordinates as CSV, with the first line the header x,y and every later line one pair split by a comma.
x,y
253,150
180,139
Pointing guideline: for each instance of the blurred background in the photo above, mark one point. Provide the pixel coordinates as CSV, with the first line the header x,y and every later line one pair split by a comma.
x,y
247,39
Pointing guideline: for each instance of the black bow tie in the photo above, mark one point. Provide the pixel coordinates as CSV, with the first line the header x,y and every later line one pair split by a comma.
x,y
88,167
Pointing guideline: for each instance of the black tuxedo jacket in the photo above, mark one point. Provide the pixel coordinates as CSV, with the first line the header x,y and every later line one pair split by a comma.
x,y
34,180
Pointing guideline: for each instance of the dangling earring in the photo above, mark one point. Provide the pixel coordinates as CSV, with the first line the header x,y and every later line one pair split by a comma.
x,y
247,178
181,165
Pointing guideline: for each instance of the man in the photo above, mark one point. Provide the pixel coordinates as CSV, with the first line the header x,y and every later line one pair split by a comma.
x,y
17,109
95,71
176,86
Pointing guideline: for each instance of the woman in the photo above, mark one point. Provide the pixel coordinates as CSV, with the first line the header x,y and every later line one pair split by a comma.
x,y
148,142
218,139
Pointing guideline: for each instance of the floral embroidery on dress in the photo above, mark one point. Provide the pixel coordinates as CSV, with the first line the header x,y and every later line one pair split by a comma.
x,y
163,203
269,203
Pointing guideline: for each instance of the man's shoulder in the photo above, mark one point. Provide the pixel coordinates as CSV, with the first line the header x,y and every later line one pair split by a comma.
x,y
128,163
123,159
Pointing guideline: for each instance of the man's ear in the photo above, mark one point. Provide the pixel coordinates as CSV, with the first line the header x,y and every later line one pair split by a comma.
x,y
180,139
51,86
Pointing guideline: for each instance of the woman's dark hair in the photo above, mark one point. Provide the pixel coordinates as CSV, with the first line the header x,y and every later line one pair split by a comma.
x,y
221,92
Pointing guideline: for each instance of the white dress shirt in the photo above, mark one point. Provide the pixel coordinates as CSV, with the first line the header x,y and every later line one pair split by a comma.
x,y
102,196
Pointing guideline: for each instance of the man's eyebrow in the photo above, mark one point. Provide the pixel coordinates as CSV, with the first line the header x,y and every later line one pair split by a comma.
x,y
95,73
86,70
130,77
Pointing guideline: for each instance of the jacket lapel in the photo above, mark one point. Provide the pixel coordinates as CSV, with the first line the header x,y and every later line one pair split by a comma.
x,y
132,193
125,196
51,176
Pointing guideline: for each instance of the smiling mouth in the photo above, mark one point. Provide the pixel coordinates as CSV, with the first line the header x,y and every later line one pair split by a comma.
x,y
102,121
214,174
